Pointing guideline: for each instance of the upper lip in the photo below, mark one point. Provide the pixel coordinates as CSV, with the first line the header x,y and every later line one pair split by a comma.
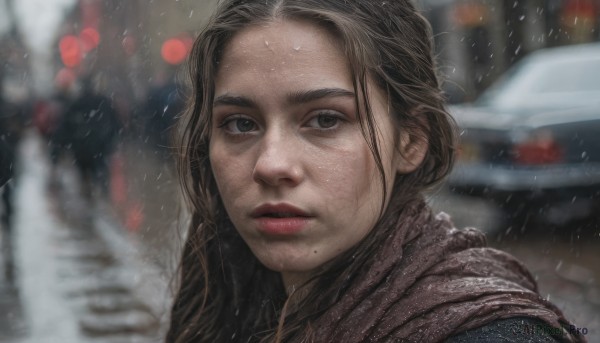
x,y
287,209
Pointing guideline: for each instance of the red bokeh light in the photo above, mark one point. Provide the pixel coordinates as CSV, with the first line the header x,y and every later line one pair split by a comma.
x,y
90,38
174,51
70,51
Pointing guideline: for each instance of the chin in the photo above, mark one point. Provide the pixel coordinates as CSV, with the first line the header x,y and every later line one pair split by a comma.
x,y
289,264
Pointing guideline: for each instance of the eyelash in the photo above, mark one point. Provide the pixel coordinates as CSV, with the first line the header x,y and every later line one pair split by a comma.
x,y
223,125
325,113
329,114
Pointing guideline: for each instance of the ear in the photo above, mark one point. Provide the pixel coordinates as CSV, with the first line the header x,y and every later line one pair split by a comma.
x,y
412,148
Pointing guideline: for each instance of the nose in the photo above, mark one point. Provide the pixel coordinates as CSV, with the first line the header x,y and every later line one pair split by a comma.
x,y
279,161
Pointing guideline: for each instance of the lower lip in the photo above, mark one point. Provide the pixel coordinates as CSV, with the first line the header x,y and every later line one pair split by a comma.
x,y
282,226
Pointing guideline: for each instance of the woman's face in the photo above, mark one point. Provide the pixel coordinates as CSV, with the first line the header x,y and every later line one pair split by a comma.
x,y
291,164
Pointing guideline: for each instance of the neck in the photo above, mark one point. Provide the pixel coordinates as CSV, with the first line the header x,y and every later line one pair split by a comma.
x,y
294,280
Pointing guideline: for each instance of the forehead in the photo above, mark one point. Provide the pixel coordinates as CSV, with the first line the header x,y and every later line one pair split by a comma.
x,y
283,50
299,35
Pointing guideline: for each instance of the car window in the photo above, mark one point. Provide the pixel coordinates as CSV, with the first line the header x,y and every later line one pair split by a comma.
x,y
546,81
568,76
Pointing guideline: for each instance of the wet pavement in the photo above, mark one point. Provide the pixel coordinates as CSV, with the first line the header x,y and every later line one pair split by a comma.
x,y
81,275
99,271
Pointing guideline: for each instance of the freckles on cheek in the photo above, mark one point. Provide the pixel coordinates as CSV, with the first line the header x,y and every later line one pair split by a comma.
x,y
221,166
365,178
233,175
363,168
216,163
350,175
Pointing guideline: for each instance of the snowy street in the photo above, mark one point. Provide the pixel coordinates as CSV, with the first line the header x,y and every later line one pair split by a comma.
x,y
79,276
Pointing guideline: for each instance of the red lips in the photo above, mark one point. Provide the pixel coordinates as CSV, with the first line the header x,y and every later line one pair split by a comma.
x,y
280,219
278,210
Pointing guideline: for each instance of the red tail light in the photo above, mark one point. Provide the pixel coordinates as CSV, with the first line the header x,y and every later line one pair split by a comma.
x,y
542,149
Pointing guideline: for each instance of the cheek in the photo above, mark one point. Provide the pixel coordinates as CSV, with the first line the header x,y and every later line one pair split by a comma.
x,y
350,177
217,163
228,172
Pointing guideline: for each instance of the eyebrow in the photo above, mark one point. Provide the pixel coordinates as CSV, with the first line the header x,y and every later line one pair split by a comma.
x,y
294,98
232,100
316,94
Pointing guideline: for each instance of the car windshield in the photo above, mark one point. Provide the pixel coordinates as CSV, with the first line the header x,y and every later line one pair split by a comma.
x,y
547,80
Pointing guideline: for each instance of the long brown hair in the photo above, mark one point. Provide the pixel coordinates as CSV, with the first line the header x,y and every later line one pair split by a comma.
x,y
225,293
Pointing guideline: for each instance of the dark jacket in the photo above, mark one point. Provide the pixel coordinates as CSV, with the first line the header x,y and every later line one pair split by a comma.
x,y
90,127
6,161
10,131
511,330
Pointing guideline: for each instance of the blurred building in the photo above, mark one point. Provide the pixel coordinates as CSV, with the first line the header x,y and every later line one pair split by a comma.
x,y
135,42
130,44
477,40
15,83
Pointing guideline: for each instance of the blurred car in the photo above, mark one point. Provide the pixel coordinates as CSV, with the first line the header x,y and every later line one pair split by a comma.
x,y
531,142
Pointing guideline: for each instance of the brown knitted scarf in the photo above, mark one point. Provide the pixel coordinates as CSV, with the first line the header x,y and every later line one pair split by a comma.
x,y
431,281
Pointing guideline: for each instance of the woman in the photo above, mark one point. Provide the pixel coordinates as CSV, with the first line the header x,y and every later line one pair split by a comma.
x,y
313,130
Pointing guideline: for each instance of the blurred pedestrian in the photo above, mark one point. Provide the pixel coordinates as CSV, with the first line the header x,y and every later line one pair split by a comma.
x,y
6,160
48,113
159,113
11,127
89,130
314,129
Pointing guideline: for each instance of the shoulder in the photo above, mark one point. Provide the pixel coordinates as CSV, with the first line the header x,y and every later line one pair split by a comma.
x,y
517,329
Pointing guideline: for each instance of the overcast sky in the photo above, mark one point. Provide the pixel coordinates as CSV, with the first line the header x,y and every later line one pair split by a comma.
x,y
38,22
4,19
